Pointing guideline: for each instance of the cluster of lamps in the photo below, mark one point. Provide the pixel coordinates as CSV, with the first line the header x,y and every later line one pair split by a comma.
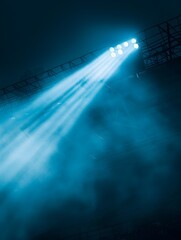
x,y
119,49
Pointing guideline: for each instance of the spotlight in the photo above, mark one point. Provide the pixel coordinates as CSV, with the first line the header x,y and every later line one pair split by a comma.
x,y
136,46
119,46
111,49
113,54
133,40
125,44
120,51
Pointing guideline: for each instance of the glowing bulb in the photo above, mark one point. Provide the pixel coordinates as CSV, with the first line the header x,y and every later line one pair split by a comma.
x,y
113,54
119,46
133,40
136,45
120,51
125,44
111,49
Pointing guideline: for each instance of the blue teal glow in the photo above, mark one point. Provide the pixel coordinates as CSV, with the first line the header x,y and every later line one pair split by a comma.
x,y
50,117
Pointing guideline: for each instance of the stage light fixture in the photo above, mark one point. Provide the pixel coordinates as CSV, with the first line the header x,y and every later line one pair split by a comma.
x,y
111,49
126,44
119,46
120,51
136,46
133,40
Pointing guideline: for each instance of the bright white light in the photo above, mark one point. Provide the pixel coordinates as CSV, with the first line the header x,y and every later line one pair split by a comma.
x,y
113,54
125,44
111,49
136,45
133,40
119,46
120,51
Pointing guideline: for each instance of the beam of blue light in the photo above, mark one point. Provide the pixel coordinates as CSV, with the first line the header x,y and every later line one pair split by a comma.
x,y
46,99
52,116
74,113
43,127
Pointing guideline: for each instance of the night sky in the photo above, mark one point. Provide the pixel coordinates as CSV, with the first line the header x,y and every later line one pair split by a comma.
x,y
120,163
37,35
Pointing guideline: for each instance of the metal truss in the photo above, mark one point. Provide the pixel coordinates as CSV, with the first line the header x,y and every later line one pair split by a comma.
x,y
158,44
161,43
35,84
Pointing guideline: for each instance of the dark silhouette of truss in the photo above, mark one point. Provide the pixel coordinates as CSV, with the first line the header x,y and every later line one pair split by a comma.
x,y
161,43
